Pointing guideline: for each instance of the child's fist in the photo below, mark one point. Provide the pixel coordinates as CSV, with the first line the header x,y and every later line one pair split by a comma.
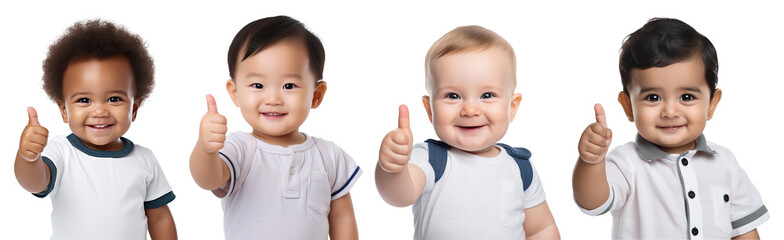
x,y
396,147
212,130
33,138
596,139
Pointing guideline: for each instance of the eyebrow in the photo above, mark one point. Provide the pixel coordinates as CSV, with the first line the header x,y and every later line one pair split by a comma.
x,y
88,93
290,75
690,89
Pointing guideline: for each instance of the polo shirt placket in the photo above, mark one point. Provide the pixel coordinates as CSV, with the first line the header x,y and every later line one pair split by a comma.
x,y
688,179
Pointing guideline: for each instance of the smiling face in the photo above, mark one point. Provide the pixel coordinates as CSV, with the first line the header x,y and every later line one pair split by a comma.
x,y
670,105
471,99
275,90
99,103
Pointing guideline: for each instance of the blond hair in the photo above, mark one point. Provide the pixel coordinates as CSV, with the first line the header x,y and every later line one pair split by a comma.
x,y
466,38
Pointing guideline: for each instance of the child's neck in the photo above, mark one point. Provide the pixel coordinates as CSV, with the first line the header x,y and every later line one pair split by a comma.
x,y
115,145
679,149
285,140
488,152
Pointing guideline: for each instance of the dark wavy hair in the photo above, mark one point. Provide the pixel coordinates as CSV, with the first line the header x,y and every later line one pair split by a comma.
x,y
97,39
664,41
263,33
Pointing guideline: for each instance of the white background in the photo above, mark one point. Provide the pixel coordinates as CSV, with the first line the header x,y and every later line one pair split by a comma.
x,y
567,60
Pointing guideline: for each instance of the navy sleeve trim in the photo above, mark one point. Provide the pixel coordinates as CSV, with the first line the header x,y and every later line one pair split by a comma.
x,y
160,202
347,182
52,177
750,218
234,173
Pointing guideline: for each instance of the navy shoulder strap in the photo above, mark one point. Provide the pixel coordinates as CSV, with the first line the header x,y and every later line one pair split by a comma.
x,y
437,156
521,157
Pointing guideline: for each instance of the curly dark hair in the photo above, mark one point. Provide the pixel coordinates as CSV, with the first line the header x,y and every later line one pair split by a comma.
x,y
97,39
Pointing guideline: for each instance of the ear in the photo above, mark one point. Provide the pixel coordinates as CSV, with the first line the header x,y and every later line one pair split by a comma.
x,y
713,103
136,104
231,87
63,110
626,103
514,106
426,102
318,94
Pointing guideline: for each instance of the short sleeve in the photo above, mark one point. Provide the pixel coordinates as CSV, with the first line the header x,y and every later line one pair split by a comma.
x,y
346,172
159,193
747,210
420,158
618,183
52,156
232,155
534,195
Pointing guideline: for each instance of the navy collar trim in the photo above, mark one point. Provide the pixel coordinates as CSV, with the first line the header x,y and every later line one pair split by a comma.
x,y
650,152
127,148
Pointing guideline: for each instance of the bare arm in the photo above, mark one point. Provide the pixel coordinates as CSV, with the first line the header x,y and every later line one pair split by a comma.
x,y
589,181
753,234
31,172
160,223
398,182
400,189
539,223
342,224
207,169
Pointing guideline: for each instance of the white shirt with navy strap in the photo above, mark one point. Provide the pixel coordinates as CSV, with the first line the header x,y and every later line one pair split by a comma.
x,y
700,194
102,194
282,192
476,197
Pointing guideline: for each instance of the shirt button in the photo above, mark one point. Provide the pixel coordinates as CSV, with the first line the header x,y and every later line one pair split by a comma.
x,y
694,231
692,194
291,171
684,162
726,198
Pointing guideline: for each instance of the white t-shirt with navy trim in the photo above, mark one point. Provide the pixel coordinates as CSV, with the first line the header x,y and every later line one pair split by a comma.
x,y
102,194
700,194
282,192
476,197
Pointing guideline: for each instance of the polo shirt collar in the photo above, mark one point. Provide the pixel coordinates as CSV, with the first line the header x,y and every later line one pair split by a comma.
x,y
651,152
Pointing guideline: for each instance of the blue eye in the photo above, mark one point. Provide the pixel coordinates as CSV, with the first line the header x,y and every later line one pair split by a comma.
x,y
652,98
289,86
687,97
487,95
257,85
83,100
452,96
115,99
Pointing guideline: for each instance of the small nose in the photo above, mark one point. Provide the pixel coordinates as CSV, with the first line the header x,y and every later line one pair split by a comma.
x,y
670,110
272,98
99,110
470,109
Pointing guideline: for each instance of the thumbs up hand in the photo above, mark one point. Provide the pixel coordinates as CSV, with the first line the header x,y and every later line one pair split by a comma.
x,y
596,139
212,130
33,138
397,144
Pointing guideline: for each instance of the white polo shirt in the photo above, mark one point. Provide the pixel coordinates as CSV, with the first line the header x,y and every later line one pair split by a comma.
x,y
700,194
282,192
102,194
476,197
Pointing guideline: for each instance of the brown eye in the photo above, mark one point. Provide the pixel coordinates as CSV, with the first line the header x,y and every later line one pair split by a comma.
x,y
652,98
452,96
289,86
257,85
83,100
115,99
687,97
